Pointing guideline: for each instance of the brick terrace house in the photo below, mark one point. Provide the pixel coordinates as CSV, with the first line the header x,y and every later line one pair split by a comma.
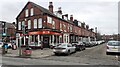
x,y
9,30
111,37
50,26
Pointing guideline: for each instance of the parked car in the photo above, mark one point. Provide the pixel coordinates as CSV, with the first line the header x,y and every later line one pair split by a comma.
x,y
87,44
53,45
79,45
113,47
64,48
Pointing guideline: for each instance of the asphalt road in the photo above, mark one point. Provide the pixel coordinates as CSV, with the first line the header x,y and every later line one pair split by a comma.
x,y
90,57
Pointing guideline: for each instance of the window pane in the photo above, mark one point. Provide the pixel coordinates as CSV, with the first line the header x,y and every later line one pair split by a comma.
x,y
23,24
35,23
29,24
31,10
26,13
19,26
40,23
53,24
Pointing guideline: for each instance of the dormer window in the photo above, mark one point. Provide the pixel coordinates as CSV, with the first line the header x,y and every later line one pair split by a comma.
x,y
26,13
31,12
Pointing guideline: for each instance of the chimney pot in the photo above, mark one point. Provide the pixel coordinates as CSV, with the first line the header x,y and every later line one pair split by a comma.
x,y
71,18
51,7
59,10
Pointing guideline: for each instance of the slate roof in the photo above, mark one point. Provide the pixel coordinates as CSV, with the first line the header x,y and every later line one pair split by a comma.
x,y
44,10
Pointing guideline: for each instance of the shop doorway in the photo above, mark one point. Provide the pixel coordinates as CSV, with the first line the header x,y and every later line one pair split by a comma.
x,y
46,42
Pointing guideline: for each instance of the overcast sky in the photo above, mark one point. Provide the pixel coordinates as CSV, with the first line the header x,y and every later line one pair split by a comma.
x,y
102,14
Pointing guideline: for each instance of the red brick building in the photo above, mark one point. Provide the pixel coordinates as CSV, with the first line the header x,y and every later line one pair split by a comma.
x,y
111,37
9,29
50,26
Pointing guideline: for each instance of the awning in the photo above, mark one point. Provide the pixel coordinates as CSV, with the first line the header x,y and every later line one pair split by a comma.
x,y
43,33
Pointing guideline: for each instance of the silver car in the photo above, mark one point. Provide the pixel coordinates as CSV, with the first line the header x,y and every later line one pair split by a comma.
x,y
64,48
113,47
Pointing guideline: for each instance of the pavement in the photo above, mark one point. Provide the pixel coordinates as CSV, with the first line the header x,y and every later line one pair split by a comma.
x,y
38,53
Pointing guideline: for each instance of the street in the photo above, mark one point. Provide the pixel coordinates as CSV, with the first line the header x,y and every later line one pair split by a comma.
x,y
91,56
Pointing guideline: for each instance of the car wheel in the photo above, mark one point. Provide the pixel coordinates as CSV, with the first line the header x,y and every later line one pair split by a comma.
x,y
107,53
68,52
56,54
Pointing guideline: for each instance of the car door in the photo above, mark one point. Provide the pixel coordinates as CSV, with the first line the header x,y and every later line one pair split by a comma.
x,y
69,47
72,48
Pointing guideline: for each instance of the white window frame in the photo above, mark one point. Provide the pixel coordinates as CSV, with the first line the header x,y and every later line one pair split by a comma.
x,y
23,24
64,27
71,28
31,12
40,23
19,25
29,24
49,19
53,24
26,13
35,23
60,26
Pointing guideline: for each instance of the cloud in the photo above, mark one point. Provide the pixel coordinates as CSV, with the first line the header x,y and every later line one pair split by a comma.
x,y
96,13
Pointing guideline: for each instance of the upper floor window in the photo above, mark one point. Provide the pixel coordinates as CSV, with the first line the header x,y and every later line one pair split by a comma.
x,y
60,26
29,24
49,19
26,13
64,28
68,27
53,24
19,25
31,12
40,23
71,28
23,24
35,23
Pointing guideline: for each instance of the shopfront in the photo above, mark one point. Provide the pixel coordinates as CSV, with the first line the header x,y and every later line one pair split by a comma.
x,y
46,37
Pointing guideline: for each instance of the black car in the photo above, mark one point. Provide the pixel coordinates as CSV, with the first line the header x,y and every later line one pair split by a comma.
x,y
79,46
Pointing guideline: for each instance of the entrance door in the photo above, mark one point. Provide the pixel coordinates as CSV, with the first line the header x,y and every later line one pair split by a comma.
x,y
46,42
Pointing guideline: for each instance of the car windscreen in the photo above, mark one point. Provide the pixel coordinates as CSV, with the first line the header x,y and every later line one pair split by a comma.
x,y
62,45
114,43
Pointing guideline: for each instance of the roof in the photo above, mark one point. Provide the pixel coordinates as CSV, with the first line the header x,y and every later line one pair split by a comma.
x,y
44,10
8,25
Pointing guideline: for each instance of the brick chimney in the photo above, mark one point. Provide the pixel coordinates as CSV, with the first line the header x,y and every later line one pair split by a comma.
x,y
71,18
51,7
59,10
66,15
